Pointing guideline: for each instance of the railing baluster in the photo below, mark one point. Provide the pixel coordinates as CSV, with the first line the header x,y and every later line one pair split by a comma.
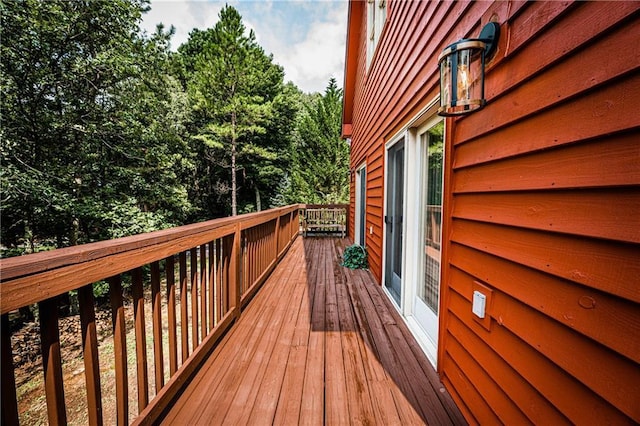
x,y
9,407
169,269
260,254
235,271
271,238
227,276
260,268
274,238
255,268
245,269
194,298
90,351
255,254
219,268
212,284
141,341
51,361
263,249
156,299
184,315
277,238
266,244
203,291
245,248
120,350
249,259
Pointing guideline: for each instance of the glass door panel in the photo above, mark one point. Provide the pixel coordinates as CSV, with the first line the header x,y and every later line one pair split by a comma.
x,y
432,213
361,192
427,285
393,220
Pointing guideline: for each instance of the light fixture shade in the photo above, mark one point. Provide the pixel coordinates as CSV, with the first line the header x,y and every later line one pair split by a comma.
x,y
462,72
462,78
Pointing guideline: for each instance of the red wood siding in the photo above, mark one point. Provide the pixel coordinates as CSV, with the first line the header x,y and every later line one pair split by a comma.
x,y
542,202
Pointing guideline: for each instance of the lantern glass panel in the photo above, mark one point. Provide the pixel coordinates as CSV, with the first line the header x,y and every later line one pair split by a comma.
x,y
469,77
445,83
462,78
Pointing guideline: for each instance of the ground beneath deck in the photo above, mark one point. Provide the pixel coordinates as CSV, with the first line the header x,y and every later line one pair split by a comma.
x,y
319,344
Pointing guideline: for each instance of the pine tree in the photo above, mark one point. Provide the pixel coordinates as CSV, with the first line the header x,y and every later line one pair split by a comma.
x,y
234,87
321,158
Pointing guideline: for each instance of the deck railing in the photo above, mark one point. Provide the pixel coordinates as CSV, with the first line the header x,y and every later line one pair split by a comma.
x,y
214,268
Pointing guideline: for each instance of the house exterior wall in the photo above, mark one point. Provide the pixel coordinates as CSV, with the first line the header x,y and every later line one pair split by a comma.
x,y
542,200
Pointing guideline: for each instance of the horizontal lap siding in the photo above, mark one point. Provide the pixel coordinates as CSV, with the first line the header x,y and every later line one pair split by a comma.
x,y
545,212
543,202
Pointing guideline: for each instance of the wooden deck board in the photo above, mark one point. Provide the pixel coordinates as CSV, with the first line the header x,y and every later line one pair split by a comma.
x,y
317,345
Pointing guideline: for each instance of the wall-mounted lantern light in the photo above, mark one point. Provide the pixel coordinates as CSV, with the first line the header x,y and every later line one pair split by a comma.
x,y
462,72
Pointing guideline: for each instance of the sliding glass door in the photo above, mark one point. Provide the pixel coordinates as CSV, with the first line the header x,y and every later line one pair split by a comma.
x,y
427,292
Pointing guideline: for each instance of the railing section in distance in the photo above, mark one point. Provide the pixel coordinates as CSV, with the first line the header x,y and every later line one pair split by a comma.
x,y
206,272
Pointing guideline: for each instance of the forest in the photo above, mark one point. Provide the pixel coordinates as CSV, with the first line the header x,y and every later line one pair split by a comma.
x,y
107,132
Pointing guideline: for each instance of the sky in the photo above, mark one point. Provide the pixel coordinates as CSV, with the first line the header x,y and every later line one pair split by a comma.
x,y
306,37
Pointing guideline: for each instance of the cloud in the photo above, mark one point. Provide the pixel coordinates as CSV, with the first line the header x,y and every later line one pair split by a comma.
x,y
310,62
183,15
306,37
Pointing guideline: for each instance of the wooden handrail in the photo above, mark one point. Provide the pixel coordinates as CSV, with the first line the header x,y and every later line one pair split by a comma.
x,y
101,256
221,265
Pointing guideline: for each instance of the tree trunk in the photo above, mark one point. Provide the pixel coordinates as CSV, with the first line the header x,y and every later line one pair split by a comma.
x,y
234,184
258,201
28,235
75,230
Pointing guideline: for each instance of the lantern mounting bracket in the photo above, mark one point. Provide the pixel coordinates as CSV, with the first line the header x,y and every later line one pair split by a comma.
x,y
489,35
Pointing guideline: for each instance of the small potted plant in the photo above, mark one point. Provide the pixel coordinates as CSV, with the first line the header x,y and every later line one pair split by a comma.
x,y
355,257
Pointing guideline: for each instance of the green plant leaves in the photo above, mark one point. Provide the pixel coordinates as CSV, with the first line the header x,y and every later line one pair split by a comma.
x,y
355,257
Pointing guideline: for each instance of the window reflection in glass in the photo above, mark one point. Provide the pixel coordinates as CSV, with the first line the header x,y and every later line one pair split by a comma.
x,y
433,141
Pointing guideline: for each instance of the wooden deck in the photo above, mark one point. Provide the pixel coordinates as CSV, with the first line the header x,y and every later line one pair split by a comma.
x,y
319,344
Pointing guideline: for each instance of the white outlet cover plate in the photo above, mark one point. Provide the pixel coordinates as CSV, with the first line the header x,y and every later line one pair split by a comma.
x,y
479,303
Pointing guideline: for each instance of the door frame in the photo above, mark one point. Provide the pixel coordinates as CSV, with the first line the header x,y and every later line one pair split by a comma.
x,y
360,205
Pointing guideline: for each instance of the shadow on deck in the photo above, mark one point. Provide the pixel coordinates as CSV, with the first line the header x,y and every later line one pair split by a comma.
x,y
319,344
